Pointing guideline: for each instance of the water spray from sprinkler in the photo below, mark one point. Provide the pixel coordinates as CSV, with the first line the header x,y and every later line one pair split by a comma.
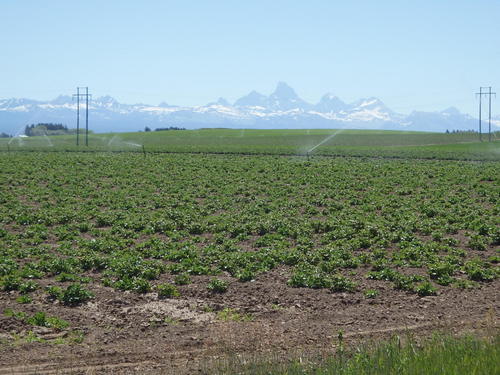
x,y
20,141
132,144
48,139
111,140
324,141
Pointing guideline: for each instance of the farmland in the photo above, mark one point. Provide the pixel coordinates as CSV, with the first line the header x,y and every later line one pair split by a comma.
x,y
337,142
217,242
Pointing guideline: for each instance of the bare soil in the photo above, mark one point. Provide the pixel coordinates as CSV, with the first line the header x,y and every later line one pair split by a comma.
x,y
133,333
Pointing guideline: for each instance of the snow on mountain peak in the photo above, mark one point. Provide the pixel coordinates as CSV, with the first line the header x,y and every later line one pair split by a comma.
x,y
17,102
369,102
282,109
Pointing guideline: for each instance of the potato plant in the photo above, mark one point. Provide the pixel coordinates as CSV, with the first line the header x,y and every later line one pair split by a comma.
x,y
76,222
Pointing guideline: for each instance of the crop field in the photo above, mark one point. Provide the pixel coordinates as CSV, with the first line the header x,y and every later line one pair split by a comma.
x,y
332,142
136,258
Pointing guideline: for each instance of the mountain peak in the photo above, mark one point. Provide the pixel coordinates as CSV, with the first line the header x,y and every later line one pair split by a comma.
x,y
368,103
283,90
221,101
17,102
284,98
253,99
330,103
451,111
329,96
282,109
224,102
107,100
62,99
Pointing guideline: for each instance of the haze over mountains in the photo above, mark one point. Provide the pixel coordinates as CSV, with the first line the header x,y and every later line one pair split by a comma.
x,y
282,109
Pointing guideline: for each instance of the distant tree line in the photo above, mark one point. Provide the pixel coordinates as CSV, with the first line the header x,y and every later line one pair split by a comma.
x,y
47,129
5,135
460,131
148,129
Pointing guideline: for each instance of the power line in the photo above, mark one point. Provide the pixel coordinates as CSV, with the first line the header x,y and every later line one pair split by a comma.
x,y
87,96
485,93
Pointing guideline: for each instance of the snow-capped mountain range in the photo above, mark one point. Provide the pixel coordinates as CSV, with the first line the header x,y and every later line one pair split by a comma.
x,y
282,109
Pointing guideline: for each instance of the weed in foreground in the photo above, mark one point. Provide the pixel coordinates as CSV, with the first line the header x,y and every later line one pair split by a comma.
x,y
229,314
442,354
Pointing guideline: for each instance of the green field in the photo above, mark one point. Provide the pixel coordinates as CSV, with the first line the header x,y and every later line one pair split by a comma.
x,y
317,217
288,142
207,216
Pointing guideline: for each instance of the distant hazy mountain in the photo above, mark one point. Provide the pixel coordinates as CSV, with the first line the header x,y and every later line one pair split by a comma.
x,y
329,103
254,99
450,118
284,98
282,109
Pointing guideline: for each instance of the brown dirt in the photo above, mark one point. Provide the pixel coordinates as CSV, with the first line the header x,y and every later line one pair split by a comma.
x,y
132,333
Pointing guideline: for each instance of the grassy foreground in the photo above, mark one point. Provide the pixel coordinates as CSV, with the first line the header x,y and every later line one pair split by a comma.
x,y
440,355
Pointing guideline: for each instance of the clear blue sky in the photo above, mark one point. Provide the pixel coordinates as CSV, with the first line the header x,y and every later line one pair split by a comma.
x,y
421,54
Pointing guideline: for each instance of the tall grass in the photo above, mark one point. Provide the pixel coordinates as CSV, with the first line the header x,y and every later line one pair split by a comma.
x,y
440,355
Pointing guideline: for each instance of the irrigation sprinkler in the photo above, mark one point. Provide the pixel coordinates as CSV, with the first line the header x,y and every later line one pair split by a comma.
x,y
144,150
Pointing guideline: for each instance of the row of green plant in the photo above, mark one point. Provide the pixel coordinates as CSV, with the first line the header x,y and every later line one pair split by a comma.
x,y
154,224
